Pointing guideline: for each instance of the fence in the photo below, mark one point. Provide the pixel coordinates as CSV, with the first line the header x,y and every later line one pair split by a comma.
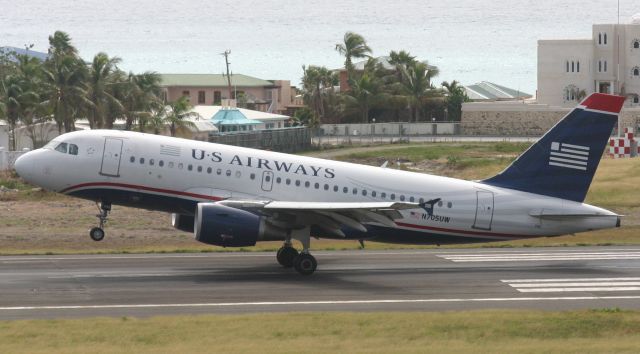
x,y
391,129
8,159
282,140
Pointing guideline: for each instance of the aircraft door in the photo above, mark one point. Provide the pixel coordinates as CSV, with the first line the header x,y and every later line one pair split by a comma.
x,y
267,181
484,210
111,157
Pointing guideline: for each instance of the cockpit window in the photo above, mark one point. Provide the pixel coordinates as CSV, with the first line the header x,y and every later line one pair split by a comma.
x,y
51,145
73,149
62,147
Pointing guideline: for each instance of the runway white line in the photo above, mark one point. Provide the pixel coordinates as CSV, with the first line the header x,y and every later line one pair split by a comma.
x,y
514,254
566,279
582,284
545,258
322,302
564,290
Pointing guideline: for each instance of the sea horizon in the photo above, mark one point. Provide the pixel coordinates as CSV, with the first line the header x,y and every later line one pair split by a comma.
x,y
469,42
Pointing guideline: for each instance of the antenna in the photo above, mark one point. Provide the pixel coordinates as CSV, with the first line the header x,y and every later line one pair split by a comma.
x,y
226,59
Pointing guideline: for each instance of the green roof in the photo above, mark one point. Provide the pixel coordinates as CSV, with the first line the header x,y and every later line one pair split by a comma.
x,y
216,80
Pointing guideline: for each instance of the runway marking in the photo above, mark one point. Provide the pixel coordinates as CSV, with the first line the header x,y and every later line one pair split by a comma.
x,y
574,284
541,256
321,302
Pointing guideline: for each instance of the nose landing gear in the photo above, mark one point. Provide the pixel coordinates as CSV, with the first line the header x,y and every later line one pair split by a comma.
x,y
97,233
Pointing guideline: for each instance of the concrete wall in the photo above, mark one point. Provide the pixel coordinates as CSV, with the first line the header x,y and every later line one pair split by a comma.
x,y
384,129
4,136
518,119
8,158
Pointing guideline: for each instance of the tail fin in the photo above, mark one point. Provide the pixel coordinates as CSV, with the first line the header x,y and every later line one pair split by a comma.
x,y
562,163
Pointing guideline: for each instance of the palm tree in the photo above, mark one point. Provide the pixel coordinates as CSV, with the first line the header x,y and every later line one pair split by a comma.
x,y
417,86
141,97
64,85
317,83
456,95
365,91
176,113
353,47
19,94
102,80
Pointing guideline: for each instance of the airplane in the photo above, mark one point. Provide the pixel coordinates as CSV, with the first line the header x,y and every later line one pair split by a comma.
x,y
234,197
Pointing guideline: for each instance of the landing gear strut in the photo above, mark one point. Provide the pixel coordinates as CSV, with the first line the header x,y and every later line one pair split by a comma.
x,y
97,233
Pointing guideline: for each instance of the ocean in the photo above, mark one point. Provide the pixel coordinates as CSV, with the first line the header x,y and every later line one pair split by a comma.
x,y
470,41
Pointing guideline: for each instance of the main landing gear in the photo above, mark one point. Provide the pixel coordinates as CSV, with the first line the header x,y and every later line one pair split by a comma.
x,y
97,233
303,262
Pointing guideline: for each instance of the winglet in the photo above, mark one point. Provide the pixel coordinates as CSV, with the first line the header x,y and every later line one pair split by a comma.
x,y
603,102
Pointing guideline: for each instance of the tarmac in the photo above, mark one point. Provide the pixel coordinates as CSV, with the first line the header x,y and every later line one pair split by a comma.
x,y
407,280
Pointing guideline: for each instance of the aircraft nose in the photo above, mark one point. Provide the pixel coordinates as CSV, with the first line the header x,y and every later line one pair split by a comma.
x,y
23,165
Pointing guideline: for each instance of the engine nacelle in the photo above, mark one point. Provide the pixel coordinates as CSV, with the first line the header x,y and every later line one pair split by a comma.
x,y
182,222
221,225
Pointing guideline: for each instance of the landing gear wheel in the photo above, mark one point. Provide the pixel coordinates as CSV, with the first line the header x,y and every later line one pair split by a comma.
x,y
286,255
96,234
305,264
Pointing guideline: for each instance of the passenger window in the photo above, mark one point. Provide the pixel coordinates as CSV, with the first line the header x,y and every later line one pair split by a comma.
x,y
393,196
252,176
190,167
132,159
267,178
412,199
170,164
73,149
209,170
180,165
345,190
402,198
421,200
151,162
288,181
62,147
355,191
317,185
373,194
307,184
219,171
278,180
238,174
335,188
364,192
199,168
228,173
161,163
297,183
142,160
383,195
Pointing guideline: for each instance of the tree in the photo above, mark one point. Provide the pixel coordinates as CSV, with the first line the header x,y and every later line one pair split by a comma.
x,y
176,113
103,78
64,78
317,84
354,46
417,86
455,96
365,91
141,97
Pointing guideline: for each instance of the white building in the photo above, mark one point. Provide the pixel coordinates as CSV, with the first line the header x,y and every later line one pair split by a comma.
x,y
609,62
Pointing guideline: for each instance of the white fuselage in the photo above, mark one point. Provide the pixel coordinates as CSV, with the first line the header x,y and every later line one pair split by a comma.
x,y
143,170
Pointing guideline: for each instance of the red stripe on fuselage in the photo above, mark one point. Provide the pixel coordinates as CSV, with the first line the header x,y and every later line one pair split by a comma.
x,y
145,188
464,232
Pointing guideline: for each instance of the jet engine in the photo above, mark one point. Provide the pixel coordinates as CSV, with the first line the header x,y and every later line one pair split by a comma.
x,y
220,225
182,222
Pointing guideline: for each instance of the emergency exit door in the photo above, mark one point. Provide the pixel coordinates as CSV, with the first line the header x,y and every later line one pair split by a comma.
x,y
484,210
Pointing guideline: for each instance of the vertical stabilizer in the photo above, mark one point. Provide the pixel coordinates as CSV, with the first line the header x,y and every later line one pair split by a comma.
x,y
562,163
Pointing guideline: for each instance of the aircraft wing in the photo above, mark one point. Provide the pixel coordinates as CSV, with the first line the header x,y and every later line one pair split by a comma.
x,y
329,216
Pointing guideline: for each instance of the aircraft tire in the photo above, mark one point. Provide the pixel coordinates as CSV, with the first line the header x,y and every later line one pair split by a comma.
x,y
96,234
305,264
286,256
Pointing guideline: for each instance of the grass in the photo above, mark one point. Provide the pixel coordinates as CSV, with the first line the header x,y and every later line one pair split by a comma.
x,y
487,331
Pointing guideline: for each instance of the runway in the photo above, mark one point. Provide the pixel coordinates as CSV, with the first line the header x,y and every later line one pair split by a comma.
x,y
412,280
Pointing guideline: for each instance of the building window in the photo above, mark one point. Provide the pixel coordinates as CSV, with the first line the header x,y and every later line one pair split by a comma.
x,y
570,93
636,99
567,65
217,97
573,66
605,65
635,71
186,93
605,39
636,44
599,66
578,66
201,97
600,38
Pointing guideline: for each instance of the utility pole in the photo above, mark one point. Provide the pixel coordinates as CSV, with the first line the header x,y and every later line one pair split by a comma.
x,y
226,59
